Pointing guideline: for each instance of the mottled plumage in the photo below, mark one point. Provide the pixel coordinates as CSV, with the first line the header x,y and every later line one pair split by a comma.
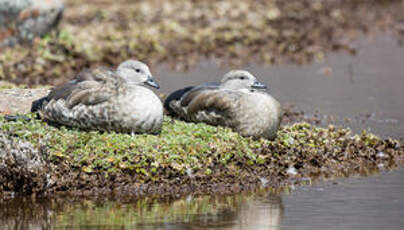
x,y
107,100
236,102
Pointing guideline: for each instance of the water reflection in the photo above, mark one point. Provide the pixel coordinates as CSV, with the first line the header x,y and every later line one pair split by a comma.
x,y
247,211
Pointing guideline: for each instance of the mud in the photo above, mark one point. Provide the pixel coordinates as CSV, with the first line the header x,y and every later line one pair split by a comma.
x,y
182,34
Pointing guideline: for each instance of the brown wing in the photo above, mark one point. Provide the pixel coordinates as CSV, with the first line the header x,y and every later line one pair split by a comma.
x,y
195,91
99,75
177,100
65,90
172,101
213,106
90,87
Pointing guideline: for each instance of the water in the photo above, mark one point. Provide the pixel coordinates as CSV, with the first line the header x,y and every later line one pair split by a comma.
x,y
368,89
374,202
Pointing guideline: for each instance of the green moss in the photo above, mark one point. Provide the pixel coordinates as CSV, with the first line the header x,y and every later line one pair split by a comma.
x,y
199,149
7,85
180,146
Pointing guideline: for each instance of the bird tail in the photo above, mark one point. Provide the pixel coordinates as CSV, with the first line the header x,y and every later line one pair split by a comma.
x,y
177,95
37,104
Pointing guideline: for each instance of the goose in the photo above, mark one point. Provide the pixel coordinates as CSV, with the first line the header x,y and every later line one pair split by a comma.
x,y
238,101
106,100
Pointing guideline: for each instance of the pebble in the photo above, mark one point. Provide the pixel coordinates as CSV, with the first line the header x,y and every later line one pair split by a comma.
x,y
264,181
380,155
292,171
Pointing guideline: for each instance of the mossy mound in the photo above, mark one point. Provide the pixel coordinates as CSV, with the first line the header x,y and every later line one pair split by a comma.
x,y
197,158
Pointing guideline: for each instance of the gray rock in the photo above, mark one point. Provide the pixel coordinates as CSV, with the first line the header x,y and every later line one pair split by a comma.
x,y
22,167
18,101
23,20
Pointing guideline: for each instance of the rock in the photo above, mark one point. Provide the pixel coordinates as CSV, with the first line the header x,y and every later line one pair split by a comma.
x,y
22,167
19,100
23,20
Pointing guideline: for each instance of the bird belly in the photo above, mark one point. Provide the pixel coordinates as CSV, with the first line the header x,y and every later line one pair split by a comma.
x,y
258,116
141,112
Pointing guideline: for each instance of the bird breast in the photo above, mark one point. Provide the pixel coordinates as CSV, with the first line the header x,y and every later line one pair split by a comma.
x,y
258,114
141,108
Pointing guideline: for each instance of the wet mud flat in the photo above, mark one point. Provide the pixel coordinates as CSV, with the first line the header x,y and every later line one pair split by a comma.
x,y
106,32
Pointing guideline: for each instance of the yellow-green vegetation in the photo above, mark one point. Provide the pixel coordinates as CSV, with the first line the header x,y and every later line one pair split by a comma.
x,y
204,157
182,32
181,146
7,85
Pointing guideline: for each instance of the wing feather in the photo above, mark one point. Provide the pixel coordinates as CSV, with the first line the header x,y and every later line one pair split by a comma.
x,y
90,87
216,107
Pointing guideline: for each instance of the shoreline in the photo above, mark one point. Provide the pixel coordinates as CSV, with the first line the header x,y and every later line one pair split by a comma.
x,y
185,159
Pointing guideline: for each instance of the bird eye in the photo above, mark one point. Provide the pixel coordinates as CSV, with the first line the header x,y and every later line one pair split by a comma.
x,y
242,78
137,70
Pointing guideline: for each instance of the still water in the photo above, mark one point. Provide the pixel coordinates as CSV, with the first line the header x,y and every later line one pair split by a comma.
x,y
365,91
374,202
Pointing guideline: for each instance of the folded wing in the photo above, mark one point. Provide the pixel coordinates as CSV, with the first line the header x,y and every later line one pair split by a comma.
x,y
213,106
90,87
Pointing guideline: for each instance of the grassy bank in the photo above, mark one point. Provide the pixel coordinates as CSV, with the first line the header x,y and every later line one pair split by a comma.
x,y
192,158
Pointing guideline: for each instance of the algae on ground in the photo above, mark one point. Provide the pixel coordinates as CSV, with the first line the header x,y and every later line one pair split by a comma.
x,y
199,158
182,33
